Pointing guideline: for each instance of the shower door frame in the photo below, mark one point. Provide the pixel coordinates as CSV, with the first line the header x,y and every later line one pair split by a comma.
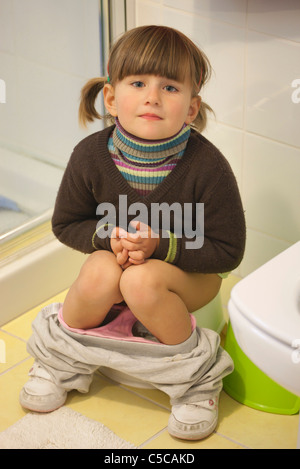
x,y
116,17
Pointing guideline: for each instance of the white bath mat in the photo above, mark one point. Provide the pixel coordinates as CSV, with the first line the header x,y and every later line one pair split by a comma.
x,y
61,429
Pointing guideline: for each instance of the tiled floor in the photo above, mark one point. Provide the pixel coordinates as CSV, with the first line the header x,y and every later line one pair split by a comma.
x,y
139,416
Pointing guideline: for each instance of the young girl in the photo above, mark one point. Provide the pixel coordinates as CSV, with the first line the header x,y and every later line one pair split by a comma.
x,y
129,308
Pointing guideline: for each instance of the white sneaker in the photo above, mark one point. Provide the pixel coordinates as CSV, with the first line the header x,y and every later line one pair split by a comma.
x,y
194,421
40,393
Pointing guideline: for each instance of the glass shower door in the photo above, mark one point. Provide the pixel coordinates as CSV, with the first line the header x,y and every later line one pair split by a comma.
x,y
48,49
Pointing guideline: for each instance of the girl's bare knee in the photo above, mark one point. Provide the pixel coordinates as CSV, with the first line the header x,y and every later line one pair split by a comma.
x,y
99,275
140,286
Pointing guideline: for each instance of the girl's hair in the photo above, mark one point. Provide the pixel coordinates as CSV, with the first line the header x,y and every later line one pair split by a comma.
x,y
155,50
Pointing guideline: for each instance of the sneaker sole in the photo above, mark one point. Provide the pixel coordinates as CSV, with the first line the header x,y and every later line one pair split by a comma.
x,y
184,433
40,407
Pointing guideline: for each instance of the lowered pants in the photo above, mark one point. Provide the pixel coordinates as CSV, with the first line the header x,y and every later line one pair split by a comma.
x,y
188,372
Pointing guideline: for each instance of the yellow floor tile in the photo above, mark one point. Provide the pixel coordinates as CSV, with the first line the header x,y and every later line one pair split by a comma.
x,y
11,384
158,397
125,413
14,351
255,429
21,326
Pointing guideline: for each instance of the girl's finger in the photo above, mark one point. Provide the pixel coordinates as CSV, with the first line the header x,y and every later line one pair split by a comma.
x,y
129,245
122,257
136,255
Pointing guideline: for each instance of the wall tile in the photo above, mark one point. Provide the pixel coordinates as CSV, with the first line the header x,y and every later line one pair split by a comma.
x,y
260,248
230,142
271,189
231,11
148,13
272,65
281,19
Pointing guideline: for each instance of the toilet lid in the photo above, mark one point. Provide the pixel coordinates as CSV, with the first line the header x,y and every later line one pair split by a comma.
x,y
269,297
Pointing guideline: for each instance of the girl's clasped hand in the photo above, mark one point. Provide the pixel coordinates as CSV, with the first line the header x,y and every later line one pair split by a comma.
x,y
133,248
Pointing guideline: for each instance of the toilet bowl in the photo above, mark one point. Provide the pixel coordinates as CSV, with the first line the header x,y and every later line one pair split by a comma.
x,y
264,311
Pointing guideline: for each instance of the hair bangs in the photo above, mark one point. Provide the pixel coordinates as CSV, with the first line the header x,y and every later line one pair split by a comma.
x,y
160,52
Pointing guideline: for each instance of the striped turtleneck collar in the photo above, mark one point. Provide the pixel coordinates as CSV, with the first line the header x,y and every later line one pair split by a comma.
x,y
150,149
146,163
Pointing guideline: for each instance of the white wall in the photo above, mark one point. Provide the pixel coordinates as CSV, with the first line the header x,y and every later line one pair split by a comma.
x,y
48,49
254,48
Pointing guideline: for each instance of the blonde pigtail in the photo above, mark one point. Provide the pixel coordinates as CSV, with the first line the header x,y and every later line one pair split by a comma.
x,y
201,119
87,111
200,122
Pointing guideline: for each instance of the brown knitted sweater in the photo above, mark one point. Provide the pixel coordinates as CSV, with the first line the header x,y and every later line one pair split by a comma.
x,y
202,175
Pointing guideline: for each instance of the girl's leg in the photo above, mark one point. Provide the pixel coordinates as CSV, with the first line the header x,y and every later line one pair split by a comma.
x,y
161,296
94,292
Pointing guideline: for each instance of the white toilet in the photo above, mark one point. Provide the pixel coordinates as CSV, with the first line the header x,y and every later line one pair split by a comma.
x,y
264,311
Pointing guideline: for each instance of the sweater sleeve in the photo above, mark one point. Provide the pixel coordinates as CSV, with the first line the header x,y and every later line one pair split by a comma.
x,y
219,248
216,243
74,220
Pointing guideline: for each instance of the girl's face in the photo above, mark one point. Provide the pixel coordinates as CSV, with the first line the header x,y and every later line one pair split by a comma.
x,y
151,107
